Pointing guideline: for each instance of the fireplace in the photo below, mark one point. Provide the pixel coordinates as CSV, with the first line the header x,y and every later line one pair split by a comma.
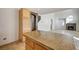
x,y
71,26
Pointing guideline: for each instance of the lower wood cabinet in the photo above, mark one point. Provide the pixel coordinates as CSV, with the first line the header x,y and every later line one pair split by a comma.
x,y
39,47
28,47
32,45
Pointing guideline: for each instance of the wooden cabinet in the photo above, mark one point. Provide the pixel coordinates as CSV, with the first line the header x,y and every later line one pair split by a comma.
x,y
28,44
27,21
39,47
33,45
24,22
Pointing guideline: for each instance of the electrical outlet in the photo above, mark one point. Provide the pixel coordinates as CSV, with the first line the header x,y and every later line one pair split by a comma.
x,y
4,38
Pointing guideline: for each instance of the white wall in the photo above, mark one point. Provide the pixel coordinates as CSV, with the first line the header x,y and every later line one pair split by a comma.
x,y
56,16
8,25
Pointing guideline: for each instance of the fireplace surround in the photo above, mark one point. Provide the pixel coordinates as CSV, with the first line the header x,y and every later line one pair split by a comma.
x,y
71,26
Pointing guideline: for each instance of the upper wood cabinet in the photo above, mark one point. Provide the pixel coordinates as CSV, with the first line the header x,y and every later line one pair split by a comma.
x,y
24,22
27,21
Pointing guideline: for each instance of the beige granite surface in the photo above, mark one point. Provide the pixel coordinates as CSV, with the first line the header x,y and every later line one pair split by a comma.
x,y
58,40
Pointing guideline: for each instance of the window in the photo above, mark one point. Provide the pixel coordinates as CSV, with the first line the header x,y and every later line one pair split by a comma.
x,y
69,19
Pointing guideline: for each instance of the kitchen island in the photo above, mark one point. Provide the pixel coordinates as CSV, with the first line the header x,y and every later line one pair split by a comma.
x,y
43,40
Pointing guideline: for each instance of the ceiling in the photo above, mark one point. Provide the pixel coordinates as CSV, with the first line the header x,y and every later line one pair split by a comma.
x,y
46,10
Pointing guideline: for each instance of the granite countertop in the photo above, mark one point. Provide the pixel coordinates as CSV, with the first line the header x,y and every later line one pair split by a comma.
x,y
58,40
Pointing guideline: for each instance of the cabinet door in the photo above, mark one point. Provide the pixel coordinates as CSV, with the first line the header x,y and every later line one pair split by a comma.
x,y
28,47
29,42
39,47
24,22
